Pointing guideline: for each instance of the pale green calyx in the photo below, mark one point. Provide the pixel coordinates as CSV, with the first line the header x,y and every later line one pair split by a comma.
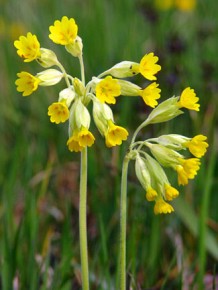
x,y
142,172
82,116
78,87
79,117
156,170
68,95
165,111
128,88
172,141
101,114
47,58
76,47
123,69
49,77
164,155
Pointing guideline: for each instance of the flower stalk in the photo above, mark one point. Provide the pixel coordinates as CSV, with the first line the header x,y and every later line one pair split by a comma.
x,y
82,220
83,204
123,215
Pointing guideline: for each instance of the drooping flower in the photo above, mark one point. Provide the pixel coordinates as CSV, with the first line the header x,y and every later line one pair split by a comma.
x,y
85,138
80,139
58,112
187,169
28,47
189,100
63,32
151,194
115,134
197,145
27,83
107,90
73,143
150,94
148,67
162,207
170,192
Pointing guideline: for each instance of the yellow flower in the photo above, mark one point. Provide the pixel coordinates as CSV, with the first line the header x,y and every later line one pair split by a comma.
x,y
73,143
151,194
85,138
28,47
187,170
107,90
197,145
191,166
182,175
115,134
162,207
185,5
148,67
58,112
170,192
27,83
63,32
150,94
80,139
189,100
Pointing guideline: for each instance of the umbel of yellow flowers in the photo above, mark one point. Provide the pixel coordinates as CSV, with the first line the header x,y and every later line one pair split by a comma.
x,y
73,100
72,105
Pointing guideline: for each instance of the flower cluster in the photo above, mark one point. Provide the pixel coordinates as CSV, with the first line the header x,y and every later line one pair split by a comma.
x,y
101,90
166,152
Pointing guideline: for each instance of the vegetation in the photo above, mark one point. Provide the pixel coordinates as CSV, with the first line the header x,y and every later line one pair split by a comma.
x,y
39,182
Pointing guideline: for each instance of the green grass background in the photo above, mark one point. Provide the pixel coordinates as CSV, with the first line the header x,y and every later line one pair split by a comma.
x,y
39,177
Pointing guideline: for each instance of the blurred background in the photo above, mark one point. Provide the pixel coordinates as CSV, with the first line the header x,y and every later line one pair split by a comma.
x,y
39,177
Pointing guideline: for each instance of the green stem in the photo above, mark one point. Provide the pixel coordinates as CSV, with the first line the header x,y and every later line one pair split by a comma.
x,y
65,74
82,69
123,217
82,220
145,123
83,204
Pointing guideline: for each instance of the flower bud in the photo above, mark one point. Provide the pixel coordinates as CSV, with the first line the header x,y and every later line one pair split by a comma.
x,y
76,47
47,58
68,95
78,87
49,77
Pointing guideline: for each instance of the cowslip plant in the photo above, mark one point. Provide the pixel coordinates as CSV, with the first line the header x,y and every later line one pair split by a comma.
x,y
151,156
72,105
72,102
